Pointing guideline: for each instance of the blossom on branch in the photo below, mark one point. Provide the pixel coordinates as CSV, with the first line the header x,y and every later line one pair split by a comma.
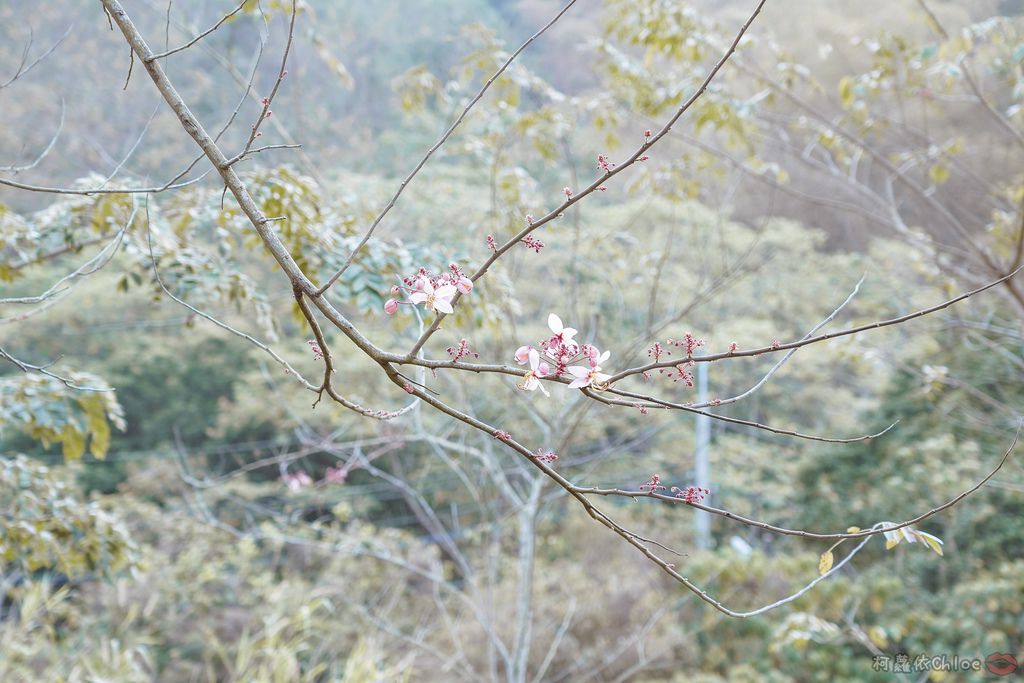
x,y
562,336
538,370
653,485
335,475
297,481
435,292
438,300
545,456
591,375
555,357
691,494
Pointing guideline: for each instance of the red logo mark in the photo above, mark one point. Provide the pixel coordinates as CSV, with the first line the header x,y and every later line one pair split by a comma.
x,y
1001,664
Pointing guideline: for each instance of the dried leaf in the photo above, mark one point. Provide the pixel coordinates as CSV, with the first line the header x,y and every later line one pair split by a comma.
x,y
825,563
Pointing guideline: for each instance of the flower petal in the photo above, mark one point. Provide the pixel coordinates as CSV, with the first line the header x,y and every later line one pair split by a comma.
x,y
418,297
523,354
443,305
445,291
555,323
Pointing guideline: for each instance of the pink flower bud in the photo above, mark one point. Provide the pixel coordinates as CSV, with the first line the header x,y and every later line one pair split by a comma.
x,y
390,306
523,355
464,285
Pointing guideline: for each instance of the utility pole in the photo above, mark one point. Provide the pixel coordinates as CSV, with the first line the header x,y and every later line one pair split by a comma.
x,y
702,469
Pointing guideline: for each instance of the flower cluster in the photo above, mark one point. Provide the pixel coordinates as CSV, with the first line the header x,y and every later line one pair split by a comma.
x,y
691,494
461,351
653,485
682,371
301,480
689,342
314,346
555,355
434,291
335,475
545,456
531,242
297,481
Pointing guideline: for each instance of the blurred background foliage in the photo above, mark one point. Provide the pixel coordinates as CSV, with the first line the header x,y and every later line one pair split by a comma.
x,y
163,531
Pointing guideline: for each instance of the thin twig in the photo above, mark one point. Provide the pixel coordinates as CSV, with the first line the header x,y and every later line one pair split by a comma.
x,y
444,138
202,35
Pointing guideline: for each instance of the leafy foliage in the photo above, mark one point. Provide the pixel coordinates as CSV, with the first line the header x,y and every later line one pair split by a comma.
x,y
45,525
48,410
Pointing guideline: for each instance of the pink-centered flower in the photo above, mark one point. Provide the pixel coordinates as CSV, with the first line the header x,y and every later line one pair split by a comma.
x,y
538,369
562,335
438,300
589,376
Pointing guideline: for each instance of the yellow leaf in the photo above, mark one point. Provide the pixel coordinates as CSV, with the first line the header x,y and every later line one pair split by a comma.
x,y
825,563
891,543
853,530
100,441
73,441
846,91
939,173
932,543
96,422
